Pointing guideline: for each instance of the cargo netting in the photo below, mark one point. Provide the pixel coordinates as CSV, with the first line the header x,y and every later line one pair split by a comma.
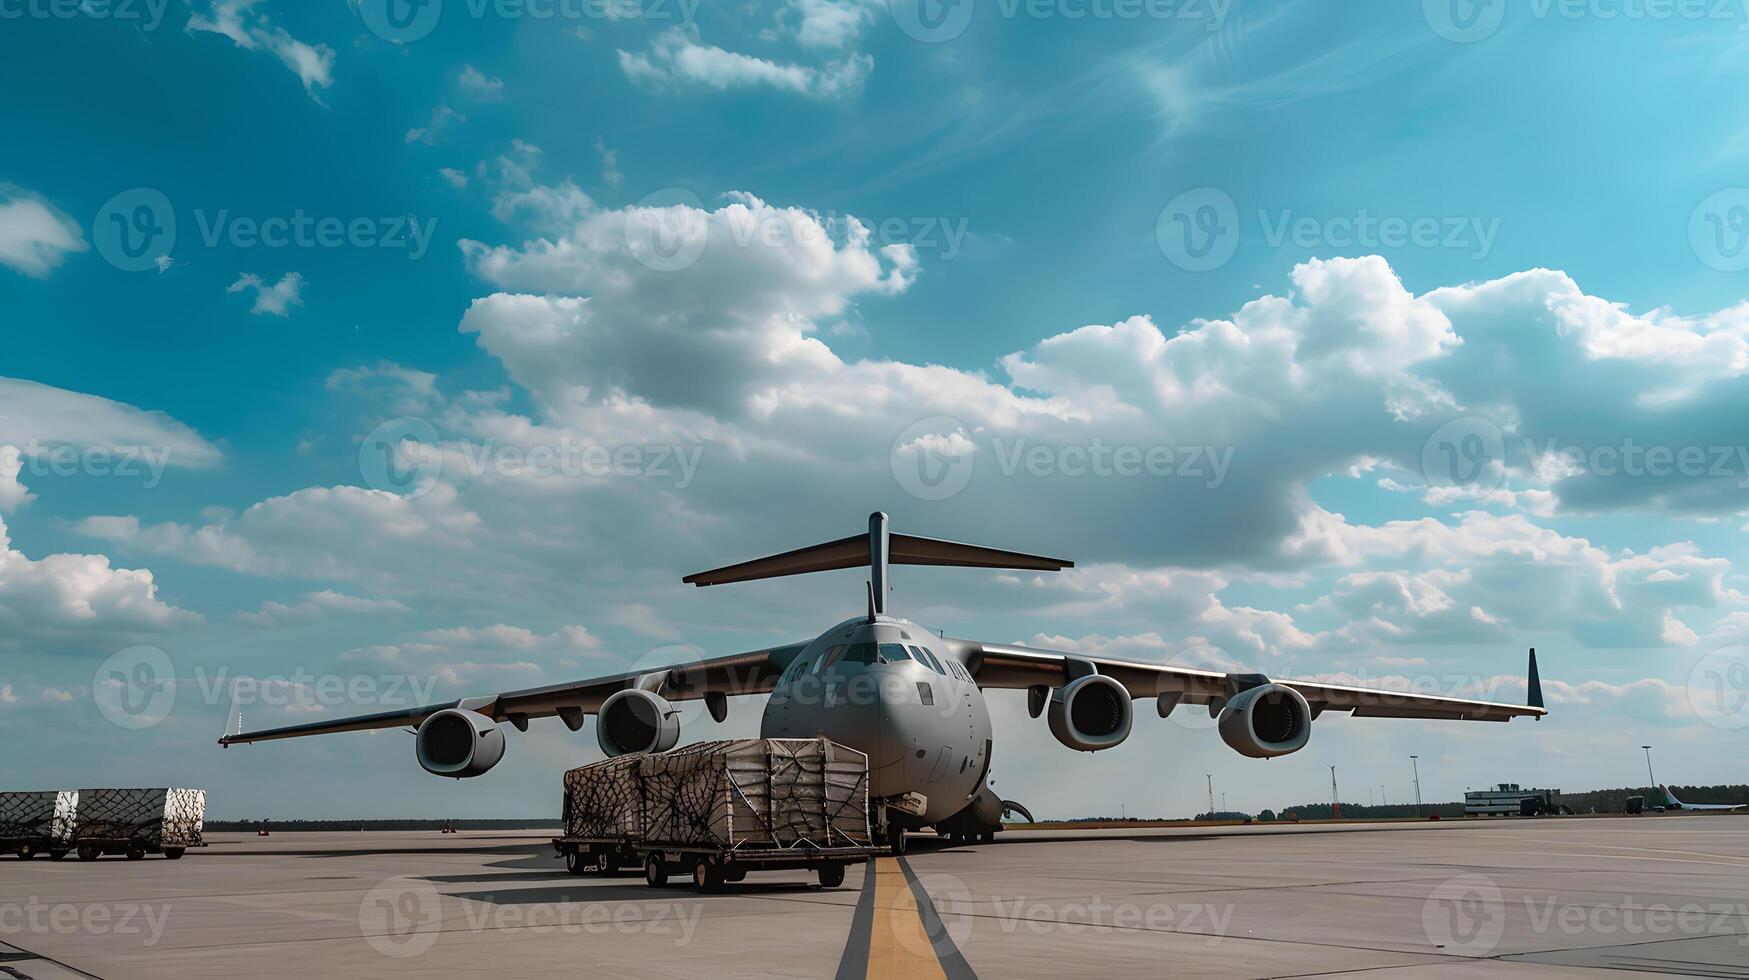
x,y
728,794
45,816
154,817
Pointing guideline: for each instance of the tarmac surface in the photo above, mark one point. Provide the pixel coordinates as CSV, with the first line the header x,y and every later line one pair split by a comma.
x,y
1658,895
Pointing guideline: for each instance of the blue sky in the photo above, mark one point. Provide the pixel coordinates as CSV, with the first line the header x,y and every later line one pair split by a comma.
x,y
1518,241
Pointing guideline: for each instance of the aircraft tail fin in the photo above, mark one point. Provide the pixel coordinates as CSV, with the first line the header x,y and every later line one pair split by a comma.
x,y
1535,683
876,549
1669,797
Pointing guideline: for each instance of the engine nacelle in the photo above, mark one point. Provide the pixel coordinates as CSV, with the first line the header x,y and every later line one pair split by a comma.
x,y
636,721
458,743
1090,713
1266,721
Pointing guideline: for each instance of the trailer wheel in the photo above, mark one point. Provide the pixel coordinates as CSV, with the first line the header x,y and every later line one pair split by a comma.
x,y
56,855
655,872
90,852
26,851
706,877
831,875
574,862
136,854
172,853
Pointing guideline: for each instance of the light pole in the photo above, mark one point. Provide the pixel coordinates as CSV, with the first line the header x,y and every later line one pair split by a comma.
x,y
1416,764
1335,800
1649,777
1211,778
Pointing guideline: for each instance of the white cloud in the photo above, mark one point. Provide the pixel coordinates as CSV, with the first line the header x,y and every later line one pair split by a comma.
x,y
275,300
479,86
402,390
77,603
319,605
13,494
35,236
443,119
39,419
455,178
829,23
674,60
610,172
250,30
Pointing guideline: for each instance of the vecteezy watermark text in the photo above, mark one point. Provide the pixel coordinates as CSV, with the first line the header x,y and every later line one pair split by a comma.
x,y
405,456
36,917
144,463
146,15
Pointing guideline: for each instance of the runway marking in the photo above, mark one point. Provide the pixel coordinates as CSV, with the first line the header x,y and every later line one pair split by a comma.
x,y
897,932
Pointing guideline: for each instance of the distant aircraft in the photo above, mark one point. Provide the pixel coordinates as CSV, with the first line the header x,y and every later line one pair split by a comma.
x,y
911,700
1672,803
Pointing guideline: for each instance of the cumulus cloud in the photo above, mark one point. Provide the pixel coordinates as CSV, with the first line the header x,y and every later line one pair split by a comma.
x,y
35,236
443,119
70,603
478,85
250,30
13,494
675,60
275,300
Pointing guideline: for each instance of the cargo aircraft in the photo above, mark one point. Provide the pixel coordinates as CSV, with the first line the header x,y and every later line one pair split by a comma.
x,y
912,700
1672,803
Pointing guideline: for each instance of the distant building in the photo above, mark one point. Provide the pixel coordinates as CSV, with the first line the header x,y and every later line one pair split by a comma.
x,y
1507,799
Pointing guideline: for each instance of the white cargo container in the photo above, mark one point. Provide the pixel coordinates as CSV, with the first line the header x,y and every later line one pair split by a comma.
x,y
38,823
137,822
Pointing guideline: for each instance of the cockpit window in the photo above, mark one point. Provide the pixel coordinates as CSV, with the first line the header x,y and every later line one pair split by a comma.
x,y
861,653
923,654
828,658
892,653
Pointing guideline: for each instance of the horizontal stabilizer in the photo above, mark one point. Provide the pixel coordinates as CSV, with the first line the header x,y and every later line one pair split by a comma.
x,y
853,552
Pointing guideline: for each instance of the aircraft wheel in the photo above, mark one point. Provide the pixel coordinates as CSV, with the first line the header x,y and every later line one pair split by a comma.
x,y
831,875
655,872
987,837
896,840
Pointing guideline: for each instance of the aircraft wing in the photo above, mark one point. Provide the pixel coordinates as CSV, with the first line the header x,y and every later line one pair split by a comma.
x,y
997,665
755,672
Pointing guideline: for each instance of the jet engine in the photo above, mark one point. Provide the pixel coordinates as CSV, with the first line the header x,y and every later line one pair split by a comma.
x,y
1266,721
1090,713
637,721
458,743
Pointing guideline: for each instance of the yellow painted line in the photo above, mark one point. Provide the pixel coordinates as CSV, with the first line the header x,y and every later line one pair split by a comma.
x,y
898,946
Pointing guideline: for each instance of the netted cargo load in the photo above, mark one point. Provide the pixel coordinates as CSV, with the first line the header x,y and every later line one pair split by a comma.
x,y
728,794
603,800
46,816
150,817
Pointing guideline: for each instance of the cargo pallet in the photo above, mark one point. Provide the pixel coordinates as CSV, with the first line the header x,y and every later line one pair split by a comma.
x,y
711,867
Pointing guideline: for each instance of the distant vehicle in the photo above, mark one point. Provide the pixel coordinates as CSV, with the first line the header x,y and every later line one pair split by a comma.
x,y
1513,800
912,700
1634,805
1672,803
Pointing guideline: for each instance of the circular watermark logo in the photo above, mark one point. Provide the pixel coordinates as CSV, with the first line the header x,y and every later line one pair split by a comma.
x,y
135,688
1718,230
134,228
1465,915
949,928
931,21
401,917
400,21
667,230
933,458
1468,452
1464,21
1198,230
401,456
1718,688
